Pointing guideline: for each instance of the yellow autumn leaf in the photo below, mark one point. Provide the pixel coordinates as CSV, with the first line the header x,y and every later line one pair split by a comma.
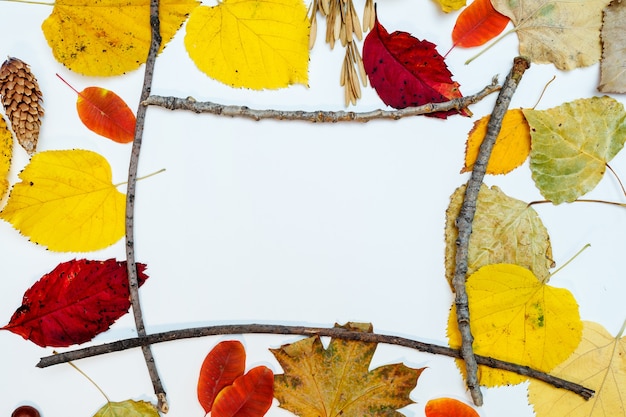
x,y
572,143
516,318
6,151
109,37
505,230
128,408
511,148
598,363
254,44
451,5
565,33
66,201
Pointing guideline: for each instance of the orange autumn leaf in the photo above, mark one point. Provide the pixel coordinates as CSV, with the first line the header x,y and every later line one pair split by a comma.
x,y
222,366
448,407
105,113
477,24
512,145
250,395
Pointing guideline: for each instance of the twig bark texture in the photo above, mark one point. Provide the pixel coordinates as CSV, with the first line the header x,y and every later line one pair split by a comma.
x,y
335,332
190,104
466,217
155,44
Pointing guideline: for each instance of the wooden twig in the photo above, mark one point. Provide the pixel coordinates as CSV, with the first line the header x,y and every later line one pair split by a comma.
x,y
155,44
336,332
319,116
466,217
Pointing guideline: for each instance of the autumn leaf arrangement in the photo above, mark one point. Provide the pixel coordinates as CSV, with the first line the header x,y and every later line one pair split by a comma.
x,y
516,315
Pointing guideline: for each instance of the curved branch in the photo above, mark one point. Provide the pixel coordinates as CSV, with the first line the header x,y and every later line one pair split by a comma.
x,y
336,332
190,104
466,217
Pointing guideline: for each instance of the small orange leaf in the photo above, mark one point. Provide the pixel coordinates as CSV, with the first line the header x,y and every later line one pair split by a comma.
x,y
477,24
105,113
511,148
222,366
448,407
250,395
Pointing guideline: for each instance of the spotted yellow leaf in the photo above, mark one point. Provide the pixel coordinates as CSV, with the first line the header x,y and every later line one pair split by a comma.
x,y
6,151
598,363
516,318
257,44
66,202
109,37
511,148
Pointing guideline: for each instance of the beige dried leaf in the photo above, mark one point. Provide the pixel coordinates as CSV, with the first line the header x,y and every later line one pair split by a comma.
x,y
612,68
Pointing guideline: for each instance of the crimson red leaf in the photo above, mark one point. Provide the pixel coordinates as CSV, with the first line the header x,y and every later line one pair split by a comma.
x,y
224,363
250,395
105,113
75,302
478,23
406,71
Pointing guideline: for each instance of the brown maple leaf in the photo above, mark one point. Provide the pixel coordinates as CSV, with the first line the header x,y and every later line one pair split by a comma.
x,y
337,381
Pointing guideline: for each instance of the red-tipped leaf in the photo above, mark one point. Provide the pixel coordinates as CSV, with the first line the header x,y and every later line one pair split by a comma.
x,y
75,302
222,366
250,395
478,23
406,71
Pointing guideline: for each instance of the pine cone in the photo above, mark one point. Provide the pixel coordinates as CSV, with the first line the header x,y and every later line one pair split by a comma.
x,y
22,99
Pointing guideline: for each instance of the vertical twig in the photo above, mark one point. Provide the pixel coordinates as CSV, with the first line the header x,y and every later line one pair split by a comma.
x,y
466,217
155,44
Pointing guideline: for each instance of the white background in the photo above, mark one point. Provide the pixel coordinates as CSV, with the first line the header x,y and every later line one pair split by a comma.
x,y
290,222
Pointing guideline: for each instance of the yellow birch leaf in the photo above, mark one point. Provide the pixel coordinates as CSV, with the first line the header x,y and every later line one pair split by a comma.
x,y
516,318
511,148
66,201
254,44
564,33
505,230
128,408
572,143
109,37
451,5
6,152
598,363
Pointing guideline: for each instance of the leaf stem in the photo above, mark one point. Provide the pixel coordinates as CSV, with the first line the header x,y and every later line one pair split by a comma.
x,y
336,332
588,245
90,380
141,178
618,179
466,217
155,44
621,331
490,45
30,2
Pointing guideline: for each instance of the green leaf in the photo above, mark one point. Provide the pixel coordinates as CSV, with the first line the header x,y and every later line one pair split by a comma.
x,y
572,143
128,408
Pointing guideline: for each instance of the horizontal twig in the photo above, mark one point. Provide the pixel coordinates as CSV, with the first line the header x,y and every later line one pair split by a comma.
x,y
319,116
335,332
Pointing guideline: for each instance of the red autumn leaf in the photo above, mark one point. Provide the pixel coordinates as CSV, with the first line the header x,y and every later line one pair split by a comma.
x,y
406,71
105,113
224,363
448,407
75,302
250,395
478,23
